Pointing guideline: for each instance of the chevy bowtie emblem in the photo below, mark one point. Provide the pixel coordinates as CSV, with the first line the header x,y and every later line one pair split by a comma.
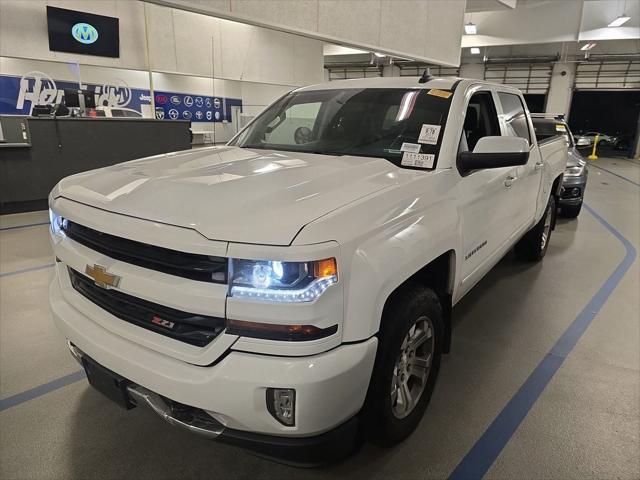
x,y
101,277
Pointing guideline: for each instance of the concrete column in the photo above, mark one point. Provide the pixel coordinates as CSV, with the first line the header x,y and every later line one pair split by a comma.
x,y
390,71
561,88
472,70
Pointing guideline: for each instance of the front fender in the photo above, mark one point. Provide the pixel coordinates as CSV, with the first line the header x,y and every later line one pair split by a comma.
x,y
385,239
386,260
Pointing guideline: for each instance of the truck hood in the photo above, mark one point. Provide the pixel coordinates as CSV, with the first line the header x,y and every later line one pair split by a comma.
x,y
229,193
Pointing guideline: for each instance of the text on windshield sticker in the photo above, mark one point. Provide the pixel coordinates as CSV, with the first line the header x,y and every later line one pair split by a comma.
x,y
410,147
429,134
420,160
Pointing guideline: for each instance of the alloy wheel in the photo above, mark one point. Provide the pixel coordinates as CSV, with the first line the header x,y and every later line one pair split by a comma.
x,y
412,367
546,231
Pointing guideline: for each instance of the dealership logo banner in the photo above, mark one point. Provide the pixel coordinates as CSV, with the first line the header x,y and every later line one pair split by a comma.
x,y
197,108
18,96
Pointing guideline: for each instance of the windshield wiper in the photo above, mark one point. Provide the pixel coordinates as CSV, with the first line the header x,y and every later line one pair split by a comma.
x,y
293,150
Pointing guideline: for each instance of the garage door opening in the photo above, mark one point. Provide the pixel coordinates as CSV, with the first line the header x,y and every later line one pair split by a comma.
x,y
535,102
612,113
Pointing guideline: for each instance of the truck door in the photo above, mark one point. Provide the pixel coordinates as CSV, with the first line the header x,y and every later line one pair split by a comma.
x,y
514,121
485,194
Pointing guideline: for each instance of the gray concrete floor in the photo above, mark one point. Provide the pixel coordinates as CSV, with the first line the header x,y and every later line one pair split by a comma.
x,y
585,424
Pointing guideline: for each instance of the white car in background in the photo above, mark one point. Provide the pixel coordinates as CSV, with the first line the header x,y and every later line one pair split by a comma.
x,y
294,288
117,112
587,139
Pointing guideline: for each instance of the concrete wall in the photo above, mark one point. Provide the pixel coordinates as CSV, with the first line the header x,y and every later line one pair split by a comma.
x,y
184,50
424,30
178,42
23,31
196,44
472,70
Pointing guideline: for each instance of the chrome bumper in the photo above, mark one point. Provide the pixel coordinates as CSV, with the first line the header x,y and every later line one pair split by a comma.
x,y
188,418
195,421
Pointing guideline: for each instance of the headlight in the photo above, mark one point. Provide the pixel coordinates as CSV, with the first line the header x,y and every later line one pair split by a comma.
x,y
282,281
57,224
574,171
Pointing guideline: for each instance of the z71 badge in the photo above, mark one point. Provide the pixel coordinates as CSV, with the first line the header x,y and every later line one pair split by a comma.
x,y
161,322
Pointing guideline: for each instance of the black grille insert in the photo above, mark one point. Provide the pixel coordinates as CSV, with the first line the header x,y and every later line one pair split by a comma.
x,y
190,328
188,265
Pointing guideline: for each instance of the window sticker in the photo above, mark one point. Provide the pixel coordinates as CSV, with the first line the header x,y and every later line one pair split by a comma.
x,y
410,147
560,128
429,134
420,160
439,93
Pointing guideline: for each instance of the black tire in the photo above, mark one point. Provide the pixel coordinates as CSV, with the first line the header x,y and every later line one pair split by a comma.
x,y
571,211
408,306
533,246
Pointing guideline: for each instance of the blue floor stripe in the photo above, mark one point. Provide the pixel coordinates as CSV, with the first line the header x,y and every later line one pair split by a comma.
x,y
485,451
615,174
40,390
16,227
25,270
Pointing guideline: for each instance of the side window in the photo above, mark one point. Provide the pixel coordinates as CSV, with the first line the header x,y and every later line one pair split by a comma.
x,y
295,125
481,120
515,117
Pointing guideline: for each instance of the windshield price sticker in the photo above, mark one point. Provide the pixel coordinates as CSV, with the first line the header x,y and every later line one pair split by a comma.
x,y
560,128
429,134
410,147
420,160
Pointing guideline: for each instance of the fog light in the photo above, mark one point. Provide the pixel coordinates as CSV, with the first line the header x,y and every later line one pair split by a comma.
x,y
281,403
575,192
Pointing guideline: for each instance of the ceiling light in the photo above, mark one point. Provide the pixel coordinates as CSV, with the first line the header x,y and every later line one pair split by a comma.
x,y
379,55
588,46
470,28
475,51
621,20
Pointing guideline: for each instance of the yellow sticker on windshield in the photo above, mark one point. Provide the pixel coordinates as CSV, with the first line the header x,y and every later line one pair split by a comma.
x,y
560,128
439,93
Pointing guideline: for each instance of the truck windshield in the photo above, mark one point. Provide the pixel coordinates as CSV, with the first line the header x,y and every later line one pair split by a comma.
x,y
368,122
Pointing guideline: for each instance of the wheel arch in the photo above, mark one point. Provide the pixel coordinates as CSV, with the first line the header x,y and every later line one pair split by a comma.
x,y
556,188
438,275
556,191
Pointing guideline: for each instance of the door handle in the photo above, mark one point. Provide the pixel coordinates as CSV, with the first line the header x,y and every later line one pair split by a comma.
x,y
539,165
509,181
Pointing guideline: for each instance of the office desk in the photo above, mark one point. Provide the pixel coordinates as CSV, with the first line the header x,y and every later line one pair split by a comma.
x,y
55,148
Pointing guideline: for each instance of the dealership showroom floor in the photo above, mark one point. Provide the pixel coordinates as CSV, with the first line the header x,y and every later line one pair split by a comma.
x,y
584,424
256,225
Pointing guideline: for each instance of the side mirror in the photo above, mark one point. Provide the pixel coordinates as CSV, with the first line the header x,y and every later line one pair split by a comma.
x,y
495,152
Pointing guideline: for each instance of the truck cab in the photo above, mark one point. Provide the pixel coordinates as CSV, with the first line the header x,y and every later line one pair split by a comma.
x,y
295,287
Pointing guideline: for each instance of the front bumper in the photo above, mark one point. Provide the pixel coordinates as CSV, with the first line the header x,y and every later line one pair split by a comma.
x,y
330,387
568,185
317,450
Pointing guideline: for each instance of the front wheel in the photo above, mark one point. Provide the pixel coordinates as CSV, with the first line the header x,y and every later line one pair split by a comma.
x,y
407,364
533,246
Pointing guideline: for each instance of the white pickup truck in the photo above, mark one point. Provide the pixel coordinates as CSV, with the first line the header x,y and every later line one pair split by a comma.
x,y
293,290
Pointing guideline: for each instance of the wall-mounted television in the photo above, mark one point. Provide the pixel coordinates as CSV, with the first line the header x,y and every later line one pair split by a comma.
x,y
85,33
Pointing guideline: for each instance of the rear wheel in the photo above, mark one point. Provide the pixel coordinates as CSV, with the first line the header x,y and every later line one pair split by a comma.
x,y
407,364
533,246
571,211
